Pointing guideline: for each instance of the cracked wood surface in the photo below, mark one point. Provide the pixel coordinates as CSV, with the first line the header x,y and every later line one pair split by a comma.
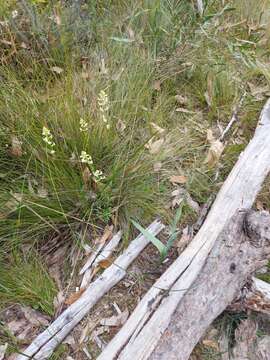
x,y
43,346
142,332
235,256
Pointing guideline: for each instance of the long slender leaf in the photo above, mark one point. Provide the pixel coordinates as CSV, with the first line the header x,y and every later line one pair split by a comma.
x,y
155,241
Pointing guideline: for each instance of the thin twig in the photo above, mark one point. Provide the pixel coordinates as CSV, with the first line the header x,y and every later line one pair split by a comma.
x,y
234,117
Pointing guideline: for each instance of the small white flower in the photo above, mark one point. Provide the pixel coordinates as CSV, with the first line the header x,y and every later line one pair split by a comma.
x,y
83,125
14,14
48,139
103,101
86,158
98,175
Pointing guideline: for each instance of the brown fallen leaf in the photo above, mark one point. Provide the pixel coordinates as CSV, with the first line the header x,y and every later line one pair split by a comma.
x,y
211,343
181,194
259,205
16,147
154,147
178,179
215,150
56,69
157,85
105,263
86,175
157,128
115,320
74,297
107,235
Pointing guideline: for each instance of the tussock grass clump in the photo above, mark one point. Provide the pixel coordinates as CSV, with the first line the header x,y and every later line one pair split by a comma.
x,y
101,102
26,281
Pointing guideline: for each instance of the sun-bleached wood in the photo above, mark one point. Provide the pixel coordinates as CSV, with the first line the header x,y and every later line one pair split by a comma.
x,y
43,346
241,248
105,253
141,333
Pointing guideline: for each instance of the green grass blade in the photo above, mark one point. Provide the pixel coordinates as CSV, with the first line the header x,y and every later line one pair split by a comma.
x,y
155,241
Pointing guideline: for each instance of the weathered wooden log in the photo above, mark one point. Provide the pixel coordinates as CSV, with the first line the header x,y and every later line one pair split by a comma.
x,y
43,346
141,334
241,248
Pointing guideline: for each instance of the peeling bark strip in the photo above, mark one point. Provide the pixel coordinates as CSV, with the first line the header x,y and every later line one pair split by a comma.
x,y
235,256
258,297
141,333
43,346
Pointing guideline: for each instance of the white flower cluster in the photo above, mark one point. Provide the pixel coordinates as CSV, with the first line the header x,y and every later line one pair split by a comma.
x,y
83,125
86,158
98,175
48,139
14,14
103,103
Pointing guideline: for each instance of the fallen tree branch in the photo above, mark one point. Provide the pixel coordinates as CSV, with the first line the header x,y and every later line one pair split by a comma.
x,y
142,332
43,346
236,255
